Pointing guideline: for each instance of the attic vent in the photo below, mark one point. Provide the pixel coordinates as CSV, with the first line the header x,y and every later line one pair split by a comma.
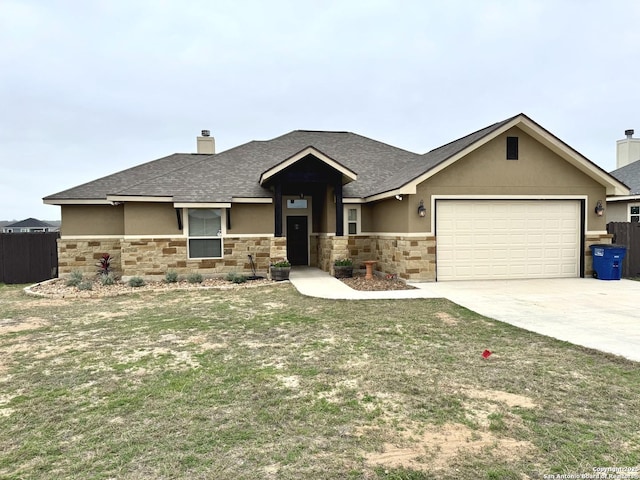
x,y
512,148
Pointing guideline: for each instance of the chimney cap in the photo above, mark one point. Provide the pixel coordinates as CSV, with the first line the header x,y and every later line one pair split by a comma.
x,y
206,133
629,133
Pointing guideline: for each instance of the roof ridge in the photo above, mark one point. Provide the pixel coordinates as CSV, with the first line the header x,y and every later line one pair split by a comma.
x,y
489,129
173,170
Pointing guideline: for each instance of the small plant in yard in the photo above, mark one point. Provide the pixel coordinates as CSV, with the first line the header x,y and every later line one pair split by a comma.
x,y
85,285
281,264
74,279
236,277
136,282
171,276
104,265
343,262
194,278
108,279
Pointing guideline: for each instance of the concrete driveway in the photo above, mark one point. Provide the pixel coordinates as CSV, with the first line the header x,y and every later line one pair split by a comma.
x,y
599,314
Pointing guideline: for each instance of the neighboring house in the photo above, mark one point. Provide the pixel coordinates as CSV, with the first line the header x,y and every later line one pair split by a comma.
x,y
508,201
626,208
29,225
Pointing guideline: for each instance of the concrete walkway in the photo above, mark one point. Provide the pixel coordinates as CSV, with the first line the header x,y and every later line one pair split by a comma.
x,y
598,314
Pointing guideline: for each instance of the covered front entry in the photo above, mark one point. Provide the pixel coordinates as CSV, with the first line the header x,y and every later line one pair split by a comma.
x,y
308,207
297,240
508,239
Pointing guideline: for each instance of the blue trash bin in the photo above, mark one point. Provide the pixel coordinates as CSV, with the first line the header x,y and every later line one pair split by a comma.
x,y
607,261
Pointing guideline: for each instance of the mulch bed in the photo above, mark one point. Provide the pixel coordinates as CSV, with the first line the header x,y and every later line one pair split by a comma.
x,y
58,288
358,282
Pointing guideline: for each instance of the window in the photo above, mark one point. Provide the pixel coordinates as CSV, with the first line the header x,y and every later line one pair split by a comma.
x,y
512,148
205,233
634,213
352,219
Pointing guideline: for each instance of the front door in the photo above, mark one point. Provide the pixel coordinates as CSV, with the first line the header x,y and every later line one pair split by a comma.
x,y
297,240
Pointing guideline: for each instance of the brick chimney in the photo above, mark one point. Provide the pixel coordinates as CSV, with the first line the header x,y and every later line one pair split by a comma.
x,y
628,150
206,143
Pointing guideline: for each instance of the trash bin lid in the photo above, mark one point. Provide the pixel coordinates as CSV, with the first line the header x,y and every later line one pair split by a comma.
x,y
608,245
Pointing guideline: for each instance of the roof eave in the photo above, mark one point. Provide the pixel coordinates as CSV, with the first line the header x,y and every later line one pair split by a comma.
x,y
76,201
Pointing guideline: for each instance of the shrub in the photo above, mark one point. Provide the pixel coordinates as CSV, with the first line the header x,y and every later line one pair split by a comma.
x,y
344,262
104,265
108,279
136,282
85,285
194,278
236,277
74,279
171,277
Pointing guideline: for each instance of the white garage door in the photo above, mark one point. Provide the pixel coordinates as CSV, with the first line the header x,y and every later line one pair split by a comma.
x,y
505,239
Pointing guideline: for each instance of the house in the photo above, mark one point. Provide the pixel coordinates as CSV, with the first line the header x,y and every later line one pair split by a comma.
x,y
626,208
29,225
508,201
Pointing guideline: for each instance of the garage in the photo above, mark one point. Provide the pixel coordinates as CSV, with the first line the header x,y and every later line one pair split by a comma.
x,y
507,239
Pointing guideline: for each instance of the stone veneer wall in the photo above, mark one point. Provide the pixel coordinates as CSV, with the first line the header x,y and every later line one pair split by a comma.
x,y
331,248
411,258
84,255
592,240
153,257
360,250
277,248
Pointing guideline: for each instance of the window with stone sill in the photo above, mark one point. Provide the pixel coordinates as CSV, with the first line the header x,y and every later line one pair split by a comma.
x,y
205,227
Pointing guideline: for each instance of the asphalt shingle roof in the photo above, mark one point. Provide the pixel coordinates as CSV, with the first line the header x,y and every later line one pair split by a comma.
x,y
236,172
29,223
100,188
630,176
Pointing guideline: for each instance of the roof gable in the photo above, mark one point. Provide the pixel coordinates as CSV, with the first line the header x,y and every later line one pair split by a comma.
x,y
348,175
406,182
370,169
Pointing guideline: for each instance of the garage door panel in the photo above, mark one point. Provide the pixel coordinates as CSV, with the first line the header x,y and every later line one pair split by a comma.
x,y
500,239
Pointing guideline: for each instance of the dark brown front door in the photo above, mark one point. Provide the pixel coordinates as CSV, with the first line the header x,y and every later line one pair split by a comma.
x,y
297,240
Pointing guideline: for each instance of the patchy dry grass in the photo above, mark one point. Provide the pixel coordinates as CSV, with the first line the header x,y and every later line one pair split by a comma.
x,y
264,383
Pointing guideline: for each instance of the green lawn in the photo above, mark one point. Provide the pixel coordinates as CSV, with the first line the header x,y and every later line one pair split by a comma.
x,y
265,383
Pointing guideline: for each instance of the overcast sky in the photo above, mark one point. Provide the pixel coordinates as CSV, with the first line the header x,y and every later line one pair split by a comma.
x,y
91,87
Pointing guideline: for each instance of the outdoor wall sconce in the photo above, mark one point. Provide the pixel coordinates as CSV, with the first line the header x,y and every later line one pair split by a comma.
x,y
421,210
399,197
599,208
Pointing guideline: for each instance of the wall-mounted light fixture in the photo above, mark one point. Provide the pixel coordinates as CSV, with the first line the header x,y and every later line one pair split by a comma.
x,y
399,197
599,208
421,210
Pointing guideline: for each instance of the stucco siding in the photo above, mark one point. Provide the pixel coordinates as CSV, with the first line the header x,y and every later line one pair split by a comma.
x,y
95,220
150,219
486,171
618,211
390,215
251,218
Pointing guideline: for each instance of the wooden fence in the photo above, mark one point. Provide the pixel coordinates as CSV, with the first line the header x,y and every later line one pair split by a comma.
x,y
28,257
627,234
